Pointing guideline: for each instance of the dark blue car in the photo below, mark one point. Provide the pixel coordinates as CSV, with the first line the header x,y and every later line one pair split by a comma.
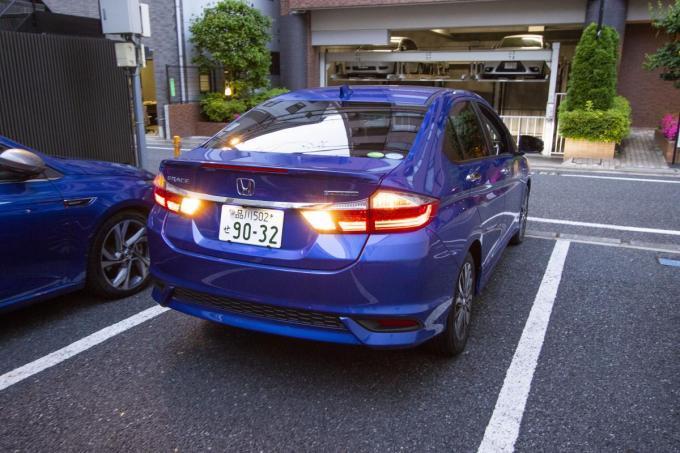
x,y
66,224
360,215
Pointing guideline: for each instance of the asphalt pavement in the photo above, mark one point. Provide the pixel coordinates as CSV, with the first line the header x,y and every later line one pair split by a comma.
x,y
606,376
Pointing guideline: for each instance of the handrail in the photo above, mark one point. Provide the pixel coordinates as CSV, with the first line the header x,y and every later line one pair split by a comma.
x,y
9,5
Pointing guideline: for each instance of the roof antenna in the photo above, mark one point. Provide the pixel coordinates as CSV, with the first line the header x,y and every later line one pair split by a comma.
x,y
345,92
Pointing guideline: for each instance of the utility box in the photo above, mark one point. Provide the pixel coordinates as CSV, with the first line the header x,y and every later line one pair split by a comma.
x,y
126,56
120,17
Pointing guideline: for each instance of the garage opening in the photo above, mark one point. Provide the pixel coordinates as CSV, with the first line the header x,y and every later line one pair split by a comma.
x,y
521,71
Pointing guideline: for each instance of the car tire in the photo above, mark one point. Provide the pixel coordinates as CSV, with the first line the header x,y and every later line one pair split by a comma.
x,y
518,237
452,341
118,261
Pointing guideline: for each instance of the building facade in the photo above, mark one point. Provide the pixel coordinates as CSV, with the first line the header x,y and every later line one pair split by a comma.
x,y
161,50
330,26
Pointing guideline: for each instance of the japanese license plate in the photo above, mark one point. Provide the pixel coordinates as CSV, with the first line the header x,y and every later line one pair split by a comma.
x,y
510,65
255,226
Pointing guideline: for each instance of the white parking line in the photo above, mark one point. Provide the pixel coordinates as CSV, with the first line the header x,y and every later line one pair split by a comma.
x,y
618,178
606,226
19,374
503,428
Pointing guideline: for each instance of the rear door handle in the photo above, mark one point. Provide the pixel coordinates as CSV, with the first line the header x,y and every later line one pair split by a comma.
x,y
473,177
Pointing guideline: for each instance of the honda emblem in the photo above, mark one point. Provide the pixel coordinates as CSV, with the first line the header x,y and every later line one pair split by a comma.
x,y
245,187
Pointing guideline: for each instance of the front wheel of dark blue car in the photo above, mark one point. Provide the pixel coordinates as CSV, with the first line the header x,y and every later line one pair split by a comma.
x,y
452,341
118,263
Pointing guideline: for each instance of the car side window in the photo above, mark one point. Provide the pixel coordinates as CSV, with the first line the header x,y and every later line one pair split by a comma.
x,y
464,138
497,137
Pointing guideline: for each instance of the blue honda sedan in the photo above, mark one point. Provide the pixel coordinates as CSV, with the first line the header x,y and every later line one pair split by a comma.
x,y
358,215
66,224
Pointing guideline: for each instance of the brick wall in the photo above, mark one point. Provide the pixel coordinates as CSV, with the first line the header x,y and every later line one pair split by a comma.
x,y
649,96
186,121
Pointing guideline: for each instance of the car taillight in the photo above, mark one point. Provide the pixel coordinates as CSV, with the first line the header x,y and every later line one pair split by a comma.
x,y
173,201
385,211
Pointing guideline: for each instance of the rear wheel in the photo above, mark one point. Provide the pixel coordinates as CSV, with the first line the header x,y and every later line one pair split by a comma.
x,y
452,341
118,263
518,238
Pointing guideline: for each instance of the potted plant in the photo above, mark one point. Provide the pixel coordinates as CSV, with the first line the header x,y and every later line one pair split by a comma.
x,y
665,137
666,62
593,119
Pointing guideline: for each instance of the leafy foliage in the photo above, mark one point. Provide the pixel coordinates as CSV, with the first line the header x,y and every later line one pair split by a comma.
x,y
260,97
611,125
593,72
667,57
592,110
219,108
233,35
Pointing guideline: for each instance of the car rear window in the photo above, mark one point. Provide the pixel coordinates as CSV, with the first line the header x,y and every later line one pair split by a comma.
x,y
521,41
325,128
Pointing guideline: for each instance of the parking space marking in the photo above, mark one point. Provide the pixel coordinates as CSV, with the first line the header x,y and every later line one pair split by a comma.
x,y
605,226
503,429
19,374
620,178
605,241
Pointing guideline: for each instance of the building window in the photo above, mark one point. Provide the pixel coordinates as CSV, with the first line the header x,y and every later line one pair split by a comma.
x,y
204,83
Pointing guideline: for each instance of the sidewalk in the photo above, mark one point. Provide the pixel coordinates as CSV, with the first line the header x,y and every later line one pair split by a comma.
x,y
638,154
158,148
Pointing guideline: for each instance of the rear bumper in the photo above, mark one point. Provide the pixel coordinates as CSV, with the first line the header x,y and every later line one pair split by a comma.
x,y
408,275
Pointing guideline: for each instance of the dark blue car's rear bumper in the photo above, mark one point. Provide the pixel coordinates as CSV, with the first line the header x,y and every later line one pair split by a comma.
x,y
407,276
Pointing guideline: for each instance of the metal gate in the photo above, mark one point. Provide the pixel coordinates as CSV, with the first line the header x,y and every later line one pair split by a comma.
x,y
65,96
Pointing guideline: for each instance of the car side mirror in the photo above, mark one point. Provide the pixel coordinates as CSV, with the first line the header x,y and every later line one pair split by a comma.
x,y
21,162
530,144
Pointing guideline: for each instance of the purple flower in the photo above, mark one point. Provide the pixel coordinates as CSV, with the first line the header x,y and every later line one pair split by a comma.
x,y
669,126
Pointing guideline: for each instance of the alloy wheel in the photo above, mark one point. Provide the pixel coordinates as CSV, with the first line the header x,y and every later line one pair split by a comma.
x,y
463,304
124,256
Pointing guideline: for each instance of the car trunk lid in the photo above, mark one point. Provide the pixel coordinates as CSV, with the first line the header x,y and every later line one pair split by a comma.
x,y
280,182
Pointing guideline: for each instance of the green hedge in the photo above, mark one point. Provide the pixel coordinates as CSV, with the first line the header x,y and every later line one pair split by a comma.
x,y
216,107
612,125
593,70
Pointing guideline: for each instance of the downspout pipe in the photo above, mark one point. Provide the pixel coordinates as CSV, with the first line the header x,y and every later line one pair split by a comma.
x,y
608,12
180,48
293,50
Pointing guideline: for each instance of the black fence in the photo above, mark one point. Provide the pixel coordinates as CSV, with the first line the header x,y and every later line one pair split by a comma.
x,y
195,81
65,96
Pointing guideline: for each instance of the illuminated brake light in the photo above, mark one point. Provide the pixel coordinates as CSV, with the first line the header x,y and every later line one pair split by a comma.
x,y
385,211
189,205
320,220
400,211
173,201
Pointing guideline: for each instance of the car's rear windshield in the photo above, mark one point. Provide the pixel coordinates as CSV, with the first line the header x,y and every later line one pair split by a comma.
x,y
324,128
521,41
